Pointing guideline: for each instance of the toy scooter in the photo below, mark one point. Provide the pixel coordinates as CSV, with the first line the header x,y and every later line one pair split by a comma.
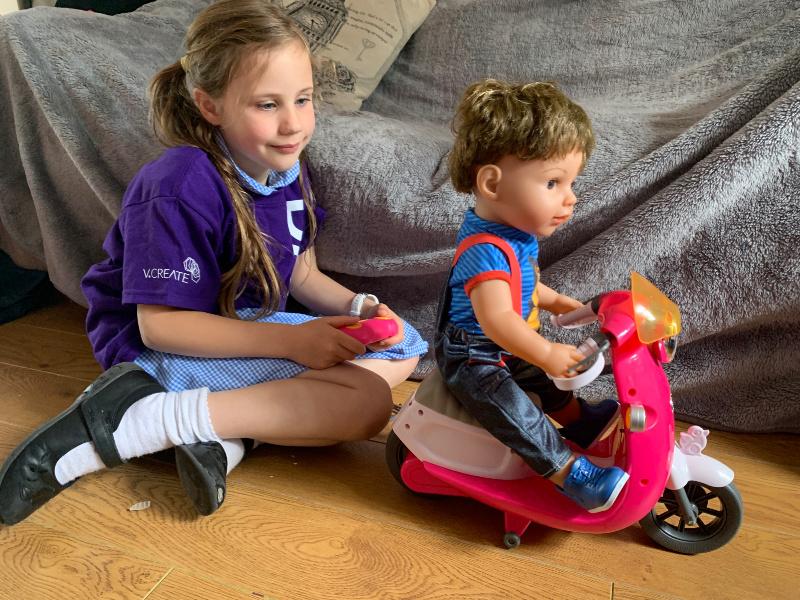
x,y
684,500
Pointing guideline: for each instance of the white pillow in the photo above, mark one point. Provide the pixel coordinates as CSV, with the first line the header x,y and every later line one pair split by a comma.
x,y
362,38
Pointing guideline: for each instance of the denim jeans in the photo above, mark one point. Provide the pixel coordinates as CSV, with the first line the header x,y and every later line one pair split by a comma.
x,y
491,385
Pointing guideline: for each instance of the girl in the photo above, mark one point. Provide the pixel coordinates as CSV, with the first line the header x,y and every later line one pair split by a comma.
x,y
211,238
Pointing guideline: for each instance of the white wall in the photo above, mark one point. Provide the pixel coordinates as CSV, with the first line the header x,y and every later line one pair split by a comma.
x,y
6,6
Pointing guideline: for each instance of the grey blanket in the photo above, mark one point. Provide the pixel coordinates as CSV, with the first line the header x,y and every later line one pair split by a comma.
x,y
695,182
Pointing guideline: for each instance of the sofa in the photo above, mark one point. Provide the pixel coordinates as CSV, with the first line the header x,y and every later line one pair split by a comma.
x,y
694,183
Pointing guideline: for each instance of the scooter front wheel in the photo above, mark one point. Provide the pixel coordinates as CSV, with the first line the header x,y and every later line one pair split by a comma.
x,y
717,513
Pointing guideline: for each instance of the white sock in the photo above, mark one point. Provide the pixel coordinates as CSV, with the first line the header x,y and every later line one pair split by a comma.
x,y
154,423
234,452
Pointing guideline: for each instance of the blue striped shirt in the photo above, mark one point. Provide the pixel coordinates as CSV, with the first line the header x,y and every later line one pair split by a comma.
x,y
487,257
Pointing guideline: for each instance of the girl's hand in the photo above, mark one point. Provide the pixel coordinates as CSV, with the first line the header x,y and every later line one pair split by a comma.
x,y
560,358
381,310
318,344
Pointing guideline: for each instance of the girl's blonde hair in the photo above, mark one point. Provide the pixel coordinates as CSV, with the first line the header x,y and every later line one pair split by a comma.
x,y
217,43
530,121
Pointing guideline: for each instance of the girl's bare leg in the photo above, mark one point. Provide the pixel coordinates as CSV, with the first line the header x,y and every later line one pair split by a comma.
x,y
318,407
393,371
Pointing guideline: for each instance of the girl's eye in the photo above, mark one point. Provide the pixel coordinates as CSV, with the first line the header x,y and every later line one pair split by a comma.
x,y
303,101
551,184
267,106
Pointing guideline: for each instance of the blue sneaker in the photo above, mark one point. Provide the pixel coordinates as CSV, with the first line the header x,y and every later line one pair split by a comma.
x,y
594,488
596,422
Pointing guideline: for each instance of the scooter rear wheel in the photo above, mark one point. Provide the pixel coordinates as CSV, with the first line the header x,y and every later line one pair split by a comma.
x,y
395,456
396,452
718,512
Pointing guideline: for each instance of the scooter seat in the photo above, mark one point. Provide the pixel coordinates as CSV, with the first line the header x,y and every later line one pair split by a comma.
x,y
433,393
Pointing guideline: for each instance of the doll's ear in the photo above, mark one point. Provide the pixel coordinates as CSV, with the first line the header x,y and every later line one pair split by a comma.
x,y
486,181
208,107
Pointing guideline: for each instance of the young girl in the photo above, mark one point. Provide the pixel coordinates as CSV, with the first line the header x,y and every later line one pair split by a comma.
x,y
211,238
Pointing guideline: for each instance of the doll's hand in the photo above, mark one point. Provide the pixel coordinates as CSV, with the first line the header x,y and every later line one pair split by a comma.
x,y
560,357
381,310
318,344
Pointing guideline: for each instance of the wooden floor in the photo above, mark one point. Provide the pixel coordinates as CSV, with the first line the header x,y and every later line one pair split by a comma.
x,y
332,523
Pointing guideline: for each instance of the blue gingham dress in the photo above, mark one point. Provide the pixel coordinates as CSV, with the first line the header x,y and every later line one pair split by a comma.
x,y
176,372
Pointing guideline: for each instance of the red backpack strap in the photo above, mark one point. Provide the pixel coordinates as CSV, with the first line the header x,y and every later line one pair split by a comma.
x,y
515,280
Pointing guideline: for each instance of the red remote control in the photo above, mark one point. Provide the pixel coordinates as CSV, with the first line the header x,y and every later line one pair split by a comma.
x,y
369,331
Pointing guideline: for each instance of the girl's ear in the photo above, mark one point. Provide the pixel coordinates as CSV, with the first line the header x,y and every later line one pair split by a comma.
x,y
486,181
208,107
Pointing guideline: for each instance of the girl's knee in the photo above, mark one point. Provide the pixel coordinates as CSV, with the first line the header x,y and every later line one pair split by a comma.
x,y
372,405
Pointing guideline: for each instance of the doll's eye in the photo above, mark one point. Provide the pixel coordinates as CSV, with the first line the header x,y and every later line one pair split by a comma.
x,y
551,184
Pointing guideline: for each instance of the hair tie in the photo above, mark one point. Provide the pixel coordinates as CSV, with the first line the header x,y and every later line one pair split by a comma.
x,y
184,66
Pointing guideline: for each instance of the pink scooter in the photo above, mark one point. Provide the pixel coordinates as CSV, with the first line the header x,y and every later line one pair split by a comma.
x,y
684,500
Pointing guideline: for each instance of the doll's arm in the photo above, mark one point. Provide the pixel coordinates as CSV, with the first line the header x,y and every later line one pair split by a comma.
x,y
491,301
556,303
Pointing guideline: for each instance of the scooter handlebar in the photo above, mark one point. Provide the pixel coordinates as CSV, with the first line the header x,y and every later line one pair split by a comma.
x,y
575,318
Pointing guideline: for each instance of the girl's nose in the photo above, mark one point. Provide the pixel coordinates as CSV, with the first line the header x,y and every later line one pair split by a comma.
x,y
290,123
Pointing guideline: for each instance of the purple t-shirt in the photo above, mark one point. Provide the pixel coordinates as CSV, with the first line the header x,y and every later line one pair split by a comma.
x,y
173,240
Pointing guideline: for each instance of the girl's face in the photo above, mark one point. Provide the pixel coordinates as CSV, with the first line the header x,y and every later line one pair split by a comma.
x,y
265,114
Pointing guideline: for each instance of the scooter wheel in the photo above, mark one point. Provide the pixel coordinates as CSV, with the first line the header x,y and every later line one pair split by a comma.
x,y
718,514
395,456
511,540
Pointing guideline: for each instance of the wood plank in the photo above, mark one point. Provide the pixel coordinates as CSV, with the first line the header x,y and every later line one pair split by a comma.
x,y
64,316
178,585
623,591
44,562
29,397
52,351
293,550
353,477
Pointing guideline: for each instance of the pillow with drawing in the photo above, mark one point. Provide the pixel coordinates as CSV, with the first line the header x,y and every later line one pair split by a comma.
x,y
358,41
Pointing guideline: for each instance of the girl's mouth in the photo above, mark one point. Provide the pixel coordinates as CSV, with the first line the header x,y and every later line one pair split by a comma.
x,y
287,149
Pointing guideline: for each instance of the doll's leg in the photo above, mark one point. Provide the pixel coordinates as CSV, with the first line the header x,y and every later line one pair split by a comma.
x,y
583,423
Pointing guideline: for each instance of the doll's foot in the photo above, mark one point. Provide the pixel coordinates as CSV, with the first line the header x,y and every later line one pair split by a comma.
x,y
595,423
28,479
594,488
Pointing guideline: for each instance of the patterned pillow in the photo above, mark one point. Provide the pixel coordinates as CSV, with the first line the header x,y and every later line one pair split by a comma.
x,y
358,39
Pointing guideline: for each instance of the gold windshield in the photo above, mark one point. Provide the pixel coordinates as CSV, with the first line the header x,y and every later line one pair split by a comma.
x,y
655,315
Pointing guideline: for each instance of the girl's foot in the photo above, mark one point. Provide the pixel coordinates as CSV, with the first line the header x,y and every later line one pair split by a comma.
x,y
202,468
28,479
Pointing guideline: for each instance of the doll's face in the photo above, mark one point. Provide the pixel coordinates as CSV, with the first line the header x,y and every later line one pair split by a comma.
x,y
536,196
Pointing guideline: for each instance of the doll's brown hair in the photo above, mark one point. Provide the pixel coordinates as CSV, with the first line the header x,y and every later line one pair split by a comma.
x,y
529,120
218,42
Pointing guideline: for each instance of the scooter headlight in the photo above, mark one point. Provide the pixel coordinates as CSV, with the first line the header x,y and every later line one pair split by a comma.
x,y
670,347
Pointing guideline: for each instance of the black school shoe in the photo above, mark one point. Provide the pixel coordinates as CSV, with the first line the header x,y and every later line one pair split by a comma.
x,y
202,468
27,478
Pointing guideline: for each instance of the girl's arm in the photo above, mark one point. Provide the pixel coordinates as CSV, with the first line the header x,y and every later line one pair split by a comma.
x,y
491,301
315,290
317,344
556,303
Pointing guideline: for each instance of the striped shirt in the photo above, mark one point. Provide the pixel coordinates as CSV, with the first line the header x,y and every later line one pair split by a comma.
x,y
483,258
